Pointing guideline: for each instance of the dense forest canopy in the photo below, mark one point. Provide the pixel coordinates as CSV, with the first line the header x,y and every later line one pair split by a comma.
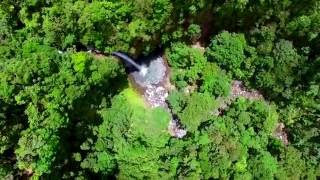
x,y
69,113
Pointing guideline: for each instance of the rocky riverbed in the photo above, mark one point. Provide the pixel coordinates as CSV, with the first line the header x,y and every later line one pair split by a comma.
x,y
155,86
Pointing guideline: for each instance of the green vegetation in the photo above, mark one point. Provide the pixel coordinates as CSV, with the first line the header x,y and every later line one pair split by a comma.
x,y
187,64
231,52
130,138
66,113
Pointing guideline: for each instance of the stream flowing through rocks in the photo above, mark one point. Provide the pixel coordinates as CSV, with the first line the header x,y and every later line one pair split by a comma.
x,y
151,79
154,85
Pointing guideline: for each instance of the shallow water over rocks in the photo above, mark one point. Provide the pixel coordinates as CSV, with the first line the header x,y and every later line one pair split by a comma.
x,y
156,73
154,86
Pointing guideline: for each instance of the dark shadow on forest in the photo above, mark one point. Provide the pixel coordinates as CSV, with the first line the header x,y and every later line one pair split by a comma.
x,y
83,117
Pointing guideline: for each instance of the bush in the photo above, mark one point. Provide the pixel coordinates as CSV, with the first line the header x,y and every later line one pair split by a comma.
x,y
231,52
215,81
187,63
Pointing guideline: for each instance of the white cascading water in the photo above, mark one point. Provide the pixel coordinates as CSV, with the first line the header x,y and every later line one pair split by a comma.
x,y
143,70
152,78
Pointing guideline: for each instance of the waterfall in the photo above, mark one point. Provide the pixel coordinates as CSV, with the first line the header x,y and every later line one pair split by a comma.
x,y
127,59
143,70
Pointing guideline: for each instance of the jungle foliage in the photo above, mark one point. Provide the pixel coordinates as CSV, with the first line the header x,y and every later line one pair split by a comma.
x,y
66,113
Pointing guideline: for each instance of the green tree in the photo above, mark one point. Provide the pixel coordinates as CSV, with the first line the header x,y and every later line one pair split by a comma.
x,y
199,106
292,164
51,84
215,81
264,166
187,63
130,135
229,143
194,32
231,52
278,73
